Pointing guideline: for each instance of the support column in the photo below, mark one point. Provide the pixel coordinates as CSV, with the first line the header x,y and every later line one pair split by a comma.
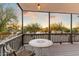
x,y
49,27
71,31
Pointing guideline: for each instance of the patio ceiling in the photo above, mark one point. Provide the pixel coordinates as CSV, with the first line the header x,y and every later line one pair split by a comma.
x,y
52,7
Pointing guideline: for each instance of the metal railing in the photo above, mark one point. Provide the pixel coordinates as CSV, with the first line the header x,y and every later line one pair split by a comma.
x,y
15,43
55,38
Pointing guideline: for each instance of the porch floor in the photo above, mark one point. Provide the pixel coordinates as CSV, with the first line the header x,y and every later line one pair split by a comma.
x,y
65,49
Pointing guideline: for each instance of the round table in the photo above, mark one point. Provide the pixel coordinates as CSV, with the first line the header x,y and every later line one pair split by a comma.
x,y
40,43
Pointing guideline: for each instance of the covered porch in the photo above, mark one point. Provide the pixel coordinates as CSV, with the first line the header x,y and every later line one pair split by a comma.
x,y
59,23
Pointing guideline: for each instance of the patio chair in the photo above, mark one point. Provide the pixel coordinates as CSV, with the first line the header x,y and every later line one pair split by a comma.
x,y
12,52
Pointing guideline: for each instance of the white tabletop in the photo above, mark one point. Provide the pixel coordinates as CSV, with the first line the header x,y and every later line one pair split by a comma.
x,y
40,43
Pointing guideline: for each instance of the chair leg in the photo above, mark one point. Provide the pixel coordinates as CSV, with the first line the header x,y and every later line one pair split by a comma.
x,y
33,54
14,53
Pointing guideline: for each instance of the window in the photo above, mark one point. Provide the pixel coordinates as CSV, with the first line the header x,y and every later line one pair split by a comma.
x,y
60,23
75,23
35,22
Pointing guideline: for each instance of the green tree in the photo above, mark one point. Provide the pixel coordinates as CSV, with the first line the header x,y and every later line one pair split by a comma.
x,y
6,15
59,27
46,29
74,30
32,28
55,27
64,29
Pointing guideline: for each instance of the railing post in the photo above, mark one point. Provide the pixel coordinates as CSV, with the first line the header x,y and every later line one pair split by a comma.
x,y
3,51
23,39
